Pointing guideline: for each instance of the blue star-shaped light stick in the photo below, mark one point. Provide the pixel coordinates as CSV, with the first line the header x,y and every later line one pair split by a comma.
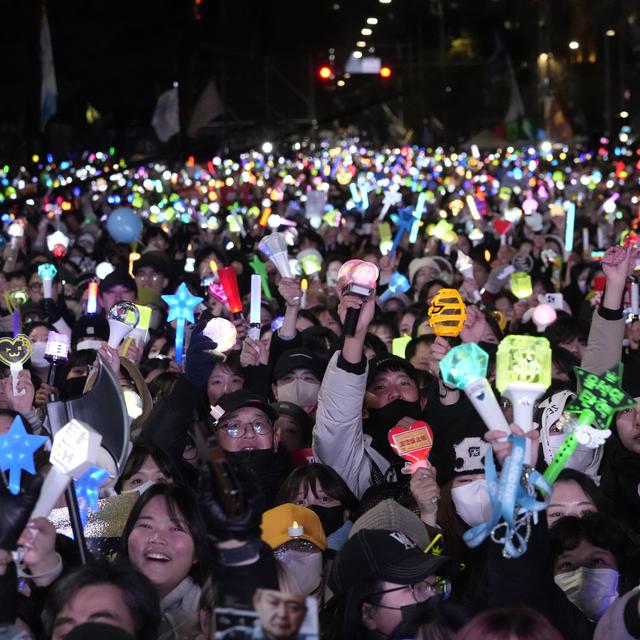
x,y
88,487
181,307
16,453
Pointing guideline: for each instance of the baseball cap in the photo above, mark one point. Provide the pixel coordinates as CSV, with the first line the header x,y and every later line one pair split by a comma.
x,y
386,555
118,278
299,359
156,260
389,514
276,523
235,400
299,415
384,361
96,327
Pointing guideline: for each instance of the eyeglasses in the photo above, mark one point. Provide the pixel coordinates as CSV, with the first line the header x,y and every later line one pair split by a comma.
x,y
421,591
239,429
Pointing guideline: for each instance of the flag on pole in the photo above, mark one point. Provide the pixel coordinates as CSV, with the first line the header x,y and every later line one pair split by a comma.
x,y
166,116
49,86
208,107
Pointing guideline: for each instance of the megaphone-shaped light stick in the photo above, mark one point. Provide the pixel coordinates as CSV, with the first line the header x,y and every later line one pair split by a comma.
x,y
229,281
447,313
47,272
357,278
274,248
465,368
398,283
123,318
181,307
523,374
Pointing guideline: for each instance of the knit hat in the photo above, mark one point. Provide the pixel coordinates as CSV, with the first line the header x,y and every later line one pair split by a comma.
x,y
441,265
470,454
277,522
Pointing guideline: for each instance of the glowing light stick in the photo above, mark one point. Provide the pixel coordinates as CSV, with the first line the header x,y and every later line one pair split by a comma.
x,y
521,285
405,220
14,352
417,214
523,373
570,221
311,261
141,330
585,241
254,309
56,352
260,268
464,264
133,257
57,243
74,451
398,283
600,398
473,209
122,318
16,453
357,278
87,488
16,300
447,313
465,368
47,272
413,444
181,307
15,231
392,198
104,269
222,332
399,346
634,298
92,298
543,315
229,281
386,242
216,290
274,248
441,229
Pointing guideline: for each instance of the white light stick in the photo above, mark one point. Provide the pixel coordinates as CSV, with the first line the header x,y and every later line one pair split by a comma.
x,y
585,240
473,208
634,299
274,248
569,226
464,264
391,198
600,237
47,272
74,451
254,310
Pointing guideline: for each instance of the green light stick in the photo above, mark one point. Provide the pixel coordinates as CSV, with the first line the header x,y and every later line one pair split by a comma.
x,y
260,268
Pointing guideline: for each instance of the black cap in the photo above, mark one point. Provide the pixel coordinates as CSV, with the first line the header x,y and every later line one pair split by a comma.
x,y
386,360
299,359
299,415
96,327
385,555
118,278
98,631
156,260
235,400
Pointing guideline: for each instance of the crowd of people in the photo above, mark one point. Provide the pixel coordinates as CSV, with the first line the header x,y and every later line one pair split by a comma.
x,y
313,502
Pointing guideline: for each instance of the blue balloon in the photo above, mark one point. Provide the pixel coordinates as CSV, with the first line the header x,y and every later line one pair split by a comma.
x,y
124,225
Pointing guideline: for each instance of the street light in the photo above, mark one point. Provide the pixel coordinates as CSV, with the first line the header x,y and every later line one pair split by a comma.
x,y
573,45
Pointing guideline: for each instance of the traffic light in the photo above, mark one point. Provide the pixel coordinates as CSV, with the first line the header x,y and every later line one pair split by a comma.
x,y
385,72
325,72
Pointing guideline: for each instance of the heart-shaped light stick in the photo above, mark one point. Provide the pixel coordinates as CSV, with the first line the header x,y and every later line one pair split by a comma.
x,y
14,352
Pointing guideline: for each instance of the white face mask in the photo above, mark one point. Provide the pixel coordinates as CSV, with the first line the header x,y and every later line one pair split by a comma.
x,y
472,502
593,591
141,488
302,572
581,458
37,355
300,392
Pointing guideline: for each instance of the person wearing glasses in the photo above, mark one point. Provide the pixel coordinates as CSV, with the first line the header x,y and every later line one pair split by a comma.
x,y
381,579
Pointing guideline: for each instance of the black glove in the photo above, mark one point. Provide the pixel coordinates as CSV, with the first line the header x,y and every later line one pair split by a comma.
x,y
16,510
200,357
245,526
51,310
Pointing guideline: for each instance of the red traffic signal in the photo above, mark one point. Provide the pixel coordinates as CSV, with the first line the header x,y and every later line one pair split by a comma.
x,y
325,72
385,72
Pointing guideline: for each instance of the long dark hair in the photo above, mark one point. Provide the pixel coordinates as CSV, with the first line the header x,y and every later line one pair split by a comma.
x,y
179,499
139,453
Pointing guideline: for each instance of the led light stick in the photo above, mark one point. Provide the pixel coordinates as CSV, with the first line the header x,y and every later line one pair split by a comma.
x,y
254,309
585,241
74,451
57,243
392,198
140,332
274,248
447,313
413,444
417,214
465,368
87,488
386,242
223,333
464,264
599,399
216,291
405,221
123,318
569,226
399,346
260,268
15,231
311,262
92,298
56,352
14,352
523,373
398,283
17,299
47,272
181,307
357,278
521,285
229,281
16,453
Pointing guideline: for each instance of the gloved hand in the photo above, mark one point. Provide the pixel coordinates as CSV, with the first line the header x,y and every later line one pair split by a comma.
x,y
16,510
222,526
200,357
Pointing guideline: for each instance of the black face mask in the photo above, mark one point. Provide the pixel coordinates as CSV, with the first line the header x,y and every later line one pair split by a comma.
x,y
331,518
381,420
73,388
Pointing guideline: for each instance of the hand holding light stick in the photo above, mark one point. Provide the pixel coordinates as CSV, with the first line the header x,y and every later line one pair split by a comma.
x,y
254,310
47,272
464,264
274,248
523,374
357,278
465,368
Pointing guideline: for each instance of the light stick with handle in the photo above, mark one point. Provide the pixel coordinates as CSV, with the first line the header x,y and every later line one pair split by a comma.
x,y
412,443
405,221
274,248
47,272
357,278
254,310
523,374
123,318
229,282
14,352
56,352
465,368
92,298
447,313
181,307
398,283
